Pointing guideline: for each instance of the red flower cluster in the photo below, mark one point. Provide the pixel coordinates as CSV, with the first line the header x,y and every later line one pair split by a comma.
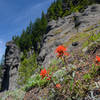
x,y
61,51
44,73
58,86
98,58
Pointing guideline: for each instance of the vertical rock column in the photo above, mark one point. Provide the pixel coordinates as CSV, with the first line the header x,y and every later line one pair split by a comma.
x,y
12,60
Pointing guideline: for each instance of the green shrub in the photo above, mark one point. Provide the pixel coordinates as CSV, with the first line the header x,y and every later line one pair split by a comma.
x,y
35,81
58,76
26,69
87,77
92,38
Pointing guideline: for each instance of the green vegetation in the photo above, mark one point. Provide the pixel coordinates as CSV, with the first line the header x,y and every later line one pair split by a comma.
x,y
55,10
26,69
58,31
62,8
75,85
32,36
74,82
72,85
0,71
77,37
17,94
92,38
35,81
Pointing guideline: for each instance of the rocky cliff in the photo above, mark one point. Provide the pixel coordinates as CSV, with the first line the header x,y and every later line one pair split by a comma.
x,y
71,31
65,30
12,61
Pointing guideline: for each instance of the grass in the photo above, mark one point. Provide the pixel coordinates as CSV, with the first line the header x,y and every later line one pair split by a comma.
x,y
58,31
92,38
77,37
34,81
84,36
92,27
89,28
52,39
73,85
26,69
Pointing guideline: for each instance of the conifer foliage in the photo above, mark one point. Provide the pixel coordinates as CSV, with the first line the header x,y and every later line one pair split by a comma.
x,y
32,36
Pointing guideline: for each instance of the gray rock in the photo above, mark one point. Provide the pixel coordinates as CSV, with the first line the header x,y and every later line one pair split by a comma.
x,y
12,61
30,53
85,49
61,31
60,22
75,43
51,24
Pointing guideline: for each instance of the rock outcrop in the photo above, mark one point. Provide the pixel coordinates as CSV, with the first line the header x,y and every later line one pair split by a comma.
x,y
12,61
63,29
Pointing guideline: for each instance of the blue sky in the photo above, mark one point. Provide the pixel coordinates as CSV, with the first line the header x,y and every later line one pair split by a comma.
x,y
15,16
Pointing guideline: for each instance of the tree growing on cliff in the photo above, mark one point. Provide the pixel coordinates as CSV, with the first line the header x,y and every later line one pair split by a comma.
x,y
44,23
34,33
58,8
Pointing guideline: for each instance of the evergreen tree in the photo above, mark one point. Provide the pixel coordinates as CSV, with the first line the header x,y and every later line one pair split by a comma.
x,y
51,12
58,8
2,60
33,34
43,23
29,28
16,40
25,41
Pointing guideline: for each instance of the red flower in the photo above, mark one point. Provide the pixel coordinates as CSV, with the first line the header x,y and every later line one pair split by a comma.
x,y
49,78
98,58
61,51
58,86
43,73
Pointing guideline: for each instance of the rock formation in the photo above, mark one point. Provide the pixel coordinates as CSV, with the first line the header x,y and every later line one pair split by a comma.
x,y
12,60
61,30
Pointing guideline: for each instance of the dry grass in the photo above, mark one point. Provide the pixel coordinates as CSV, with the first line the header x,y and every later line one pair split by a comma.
x,y
77,37
92,28
58,31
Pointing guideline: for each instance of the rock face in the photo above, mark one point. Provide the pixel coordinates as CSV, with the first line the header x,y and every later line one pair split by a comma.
x,y
62,30
12,61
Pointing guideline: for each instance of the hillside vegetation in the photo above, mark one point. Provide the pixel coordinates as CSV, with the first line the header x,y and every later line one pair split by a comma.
x,y
73,68
33,34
